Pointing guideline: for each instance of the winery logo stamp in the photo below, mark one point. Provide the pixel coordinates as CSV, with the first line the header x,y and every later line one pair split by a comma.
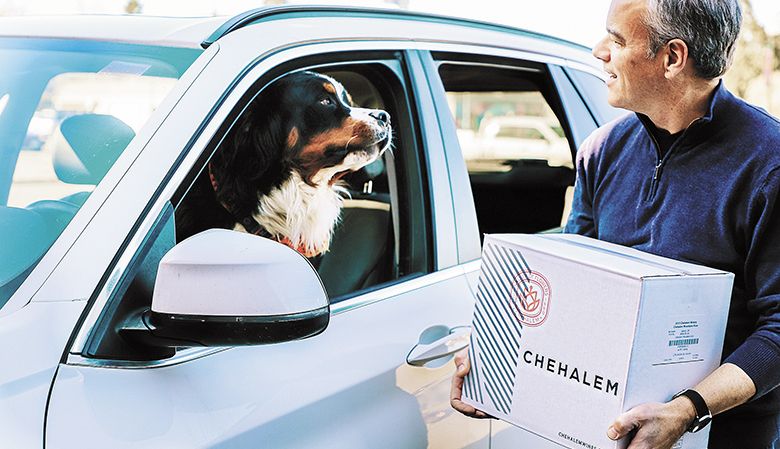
x,y
531,297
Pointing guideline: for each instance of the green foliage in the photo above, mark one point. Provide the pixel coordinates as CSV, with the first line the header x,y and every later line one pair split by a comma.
x,y
754,53
133,7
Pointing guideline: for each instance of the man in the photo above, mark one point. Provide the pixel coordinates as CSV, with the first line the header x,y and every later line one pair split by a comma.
x,y
693,174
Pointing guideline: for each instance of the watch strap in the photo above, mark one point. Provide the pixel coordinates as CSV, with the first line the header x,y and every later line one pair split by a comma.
x,y
703,414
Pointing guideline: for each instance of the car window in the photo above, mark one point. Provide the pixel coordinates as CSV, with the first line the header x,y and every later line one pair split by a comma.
x,y
379,238
499,128
594,90
67,111
511,133
382,235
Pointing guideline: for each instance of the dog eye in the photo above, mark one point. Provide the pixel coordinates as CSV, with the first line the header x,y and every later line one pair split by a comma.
x,y
326,101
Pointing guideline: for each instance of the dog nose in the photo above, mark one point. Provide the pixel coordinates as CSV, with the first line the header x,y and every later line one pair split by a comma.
x,y
380,116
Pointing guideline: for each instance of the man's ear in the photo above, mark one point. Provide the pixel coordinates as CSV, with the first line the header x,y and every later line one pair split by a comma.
x,y
675,58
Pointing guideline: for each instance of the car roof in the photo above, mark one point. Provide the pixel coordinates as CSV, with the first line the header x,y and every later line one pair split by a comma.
x,y
169,31
202,31
273,12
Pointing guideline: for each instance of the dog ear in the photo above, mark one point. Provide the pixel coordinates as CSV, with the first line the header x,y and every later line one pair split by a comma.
x,y
250,159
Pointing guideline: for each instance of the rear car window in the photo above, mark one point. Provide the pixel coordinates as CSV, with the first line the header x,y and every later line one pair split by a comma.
x,y
511,132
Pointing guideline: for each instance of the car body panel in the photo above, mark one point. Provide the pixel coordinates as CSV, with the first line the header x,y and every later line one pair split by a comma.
x,y
318,392
32,342
168,31
419,381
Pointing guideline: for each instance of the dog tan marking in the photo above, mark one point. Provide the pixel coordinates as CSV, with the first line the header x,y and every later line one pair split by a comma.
x,y
350,131
329,87
292,138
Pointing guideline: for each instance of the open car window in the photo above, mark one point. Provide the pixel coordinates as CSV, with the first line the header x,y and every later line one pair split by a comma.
x,y
513,139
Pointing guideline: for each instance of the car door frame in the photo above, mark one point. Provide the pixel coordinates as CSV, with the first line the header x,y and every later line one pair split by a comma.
x,y
444,245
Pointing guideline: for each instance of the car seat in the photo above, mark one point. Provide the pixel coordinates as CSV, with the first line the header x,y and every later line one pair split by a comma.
x,y
361,249
25,239
92,143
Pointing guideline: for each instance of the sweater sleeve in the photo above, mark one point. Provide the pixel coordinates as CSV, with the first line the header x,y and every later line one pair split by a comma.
x,y
759,355
581,220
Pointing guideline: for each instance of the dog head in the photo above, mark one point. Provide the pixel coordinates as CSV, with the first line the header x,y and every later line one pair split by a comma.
x,y
302,127
326,137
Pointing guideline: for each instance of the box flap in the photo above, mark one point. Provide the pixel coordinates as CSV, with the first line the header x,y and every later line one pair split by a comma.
x,y
609,256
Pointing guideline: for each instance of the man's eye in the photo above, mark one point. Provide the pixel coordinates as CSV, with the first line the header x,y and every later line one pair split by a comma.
x,y
326,102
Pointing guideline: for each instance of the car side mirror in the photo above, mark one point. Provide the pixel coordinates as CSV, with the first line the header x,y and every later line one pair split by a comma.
x,y
227,288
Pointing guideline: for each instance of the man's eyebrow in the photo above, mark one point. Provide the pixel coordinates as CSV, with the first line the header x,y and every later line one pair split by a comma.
x,y
616,35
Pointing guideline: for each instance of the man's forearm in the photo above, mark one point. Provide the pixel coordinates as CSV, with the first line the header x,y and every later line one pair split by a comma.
x,y
727,387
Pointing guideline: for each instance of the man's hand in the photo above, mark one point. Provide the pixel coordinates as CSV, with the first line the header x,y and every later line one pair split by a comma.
x,y
463,367
658,426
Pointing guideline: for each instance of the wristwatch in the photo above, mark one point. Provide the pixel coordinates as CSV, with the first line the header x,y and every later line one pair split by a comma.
x,y
703,414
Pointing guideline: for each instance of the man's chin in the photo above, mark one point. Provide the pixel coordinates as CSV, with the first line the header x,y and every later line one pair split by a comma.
x,y
615,101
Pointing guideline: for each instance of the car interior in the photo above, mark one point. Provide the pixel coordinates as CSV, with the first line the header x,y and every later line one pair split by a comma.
x,y
380,237
361,252
62,138
513,192
89,146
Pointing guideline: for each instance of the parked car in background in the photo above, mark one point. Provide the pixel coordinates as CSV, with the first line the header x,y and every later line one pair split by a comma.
x,y
105,123
503,140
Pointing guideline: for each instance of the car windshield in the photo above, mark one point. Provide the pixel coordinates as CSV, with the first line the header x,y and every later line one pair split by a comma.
x,y
68,108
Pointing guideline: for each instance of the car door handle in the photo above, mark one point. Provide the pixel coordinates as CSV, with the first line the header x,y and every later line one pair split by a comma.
x,y
457,339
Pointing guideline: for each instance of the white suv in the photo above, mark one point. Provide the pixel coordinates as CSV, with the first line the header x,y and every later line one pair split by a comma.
x,y
106,121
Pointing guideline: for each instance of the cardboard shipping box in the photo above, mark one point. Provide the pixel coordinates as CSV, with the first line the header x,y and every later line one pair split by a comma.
x,y
569,332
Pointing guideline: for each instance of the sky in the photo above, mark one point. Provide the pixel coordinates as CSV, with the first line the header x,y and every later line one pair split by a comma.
x,y
581,21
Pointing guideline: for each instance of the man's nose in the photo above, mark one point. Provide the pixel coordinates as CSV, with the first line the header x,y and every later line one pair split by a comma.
x,y
601,50
380,116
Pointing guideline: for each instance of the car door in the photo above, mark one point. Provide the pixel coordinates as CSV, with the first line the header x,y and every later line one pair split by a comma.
x,y
513,193
350,386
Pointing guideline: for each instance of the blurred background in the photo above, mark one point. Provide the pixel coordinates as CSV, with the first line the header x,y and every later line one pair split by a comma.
x,y
754,76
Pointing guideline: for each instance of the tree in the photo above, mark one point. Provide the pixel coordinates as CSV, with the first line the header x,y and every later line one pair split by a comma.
x,y
752,54
133,7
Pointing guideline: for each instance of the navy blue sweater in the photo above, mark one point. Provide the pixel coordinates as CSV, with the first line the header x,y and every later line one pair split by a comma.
x,y
712,199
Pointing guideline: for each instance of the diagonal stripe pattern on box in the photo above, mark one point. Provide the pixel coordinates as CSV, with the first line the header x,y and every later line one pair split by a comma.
x,y
494,351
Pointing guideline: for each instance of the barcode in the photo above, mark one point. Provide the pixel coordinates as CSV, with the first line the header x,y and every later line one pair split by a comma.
x,y
683,342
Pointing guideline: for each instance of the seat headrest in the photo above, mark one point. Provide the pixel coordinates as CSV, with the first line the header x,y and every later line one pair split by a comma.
x,y
94,142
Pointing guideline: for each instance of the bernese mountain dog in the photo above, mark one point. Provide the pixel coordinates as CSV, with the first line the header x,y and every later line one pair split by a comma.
x,y
277,172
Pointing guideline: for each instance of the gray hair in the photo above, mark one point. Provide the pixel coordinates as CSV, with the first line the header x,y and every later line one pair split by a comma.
x,y
708,27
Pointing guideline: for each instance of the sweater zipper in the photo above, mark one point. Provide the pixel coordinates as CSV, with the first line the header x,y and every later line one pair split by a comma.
x,y
659,166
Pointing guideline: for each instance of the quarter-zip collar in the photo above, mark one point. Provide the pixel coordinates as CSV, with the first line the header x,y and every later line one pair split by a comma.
x,y
694,133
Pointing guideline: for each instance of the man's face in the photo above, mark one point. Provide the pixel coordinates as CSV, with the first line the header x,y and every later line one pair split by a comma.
x,y
634,80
